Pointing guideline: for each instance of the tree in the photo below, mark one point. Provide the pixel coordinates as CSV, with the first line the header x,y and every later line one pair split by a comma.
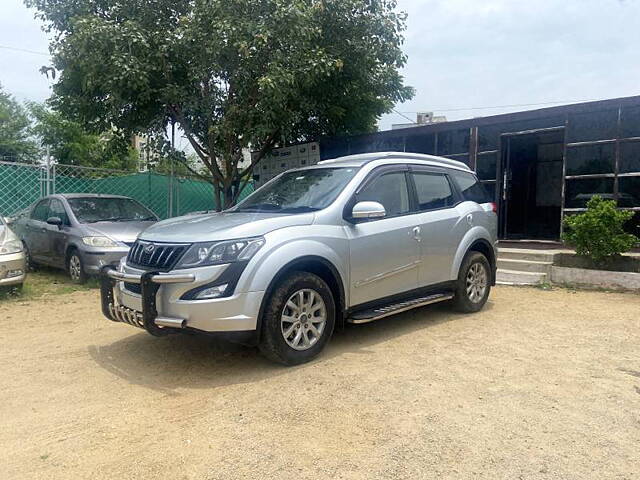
x,y
16,140
232,74
70,144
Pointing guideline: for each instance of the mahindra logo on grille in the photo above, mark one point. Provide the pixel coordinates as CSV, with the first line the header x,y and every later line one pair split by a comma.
x,y
149,248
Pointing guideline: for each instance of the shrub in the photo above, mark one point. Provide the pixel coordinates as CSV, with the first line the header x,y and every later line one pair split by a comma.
x,y
598,233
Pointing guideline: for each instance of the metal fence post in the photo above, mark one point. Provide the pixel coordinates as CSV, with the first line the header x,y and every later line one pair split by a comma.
x,y
47,189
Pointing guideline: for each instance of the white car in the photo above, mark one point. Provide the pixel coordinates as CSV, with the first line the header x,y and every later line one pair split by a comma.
x,y
12,259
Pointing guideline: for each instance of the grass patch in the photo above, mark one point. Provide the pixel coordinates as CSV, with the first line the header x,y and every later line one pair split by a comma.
x,y
46,281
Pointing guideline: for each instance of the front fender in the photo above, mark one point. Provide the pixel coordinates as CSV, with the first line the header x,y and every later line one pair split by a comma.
x,y
474,234
264,269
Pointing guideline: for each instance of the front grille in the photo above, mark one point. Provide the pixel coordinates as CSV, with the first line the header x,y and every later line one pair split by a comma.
x,y
160,256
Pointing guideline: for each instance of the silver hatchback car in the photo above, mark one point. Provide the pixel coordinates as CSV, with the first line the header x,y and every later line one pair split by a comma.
x,y
81,232
353,239
12,259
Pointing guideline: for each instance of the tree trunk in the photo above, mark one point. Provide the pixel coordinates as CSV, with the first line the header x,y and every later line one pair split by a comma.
x,y
217,197
228,196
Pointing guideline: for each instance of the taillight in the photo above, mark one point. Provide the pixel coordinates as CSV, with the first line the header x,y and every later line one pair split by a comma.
x,y
494,207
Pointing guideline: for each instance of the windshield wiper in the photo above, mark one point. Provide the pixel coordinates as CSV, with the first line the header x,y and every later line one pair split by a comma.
x,y
301,209
112,219
261,207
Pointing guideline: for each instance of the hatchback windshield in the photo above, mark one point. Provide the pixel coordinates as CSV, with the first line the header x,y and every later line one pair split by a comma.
x,y
299,191
105,209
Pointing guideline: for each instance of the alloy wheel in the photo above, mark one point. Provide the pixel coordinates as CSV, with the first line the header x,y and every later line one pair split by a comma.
x,y
476,282
303,319
75,268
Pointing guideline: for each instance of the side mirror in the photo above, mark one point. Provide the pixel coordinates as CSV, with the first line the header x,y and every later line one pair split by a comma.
x,y
368,210
57,221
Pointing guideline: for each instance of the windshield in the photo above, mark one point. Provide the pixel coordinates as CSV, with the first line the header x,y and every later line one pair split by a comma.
x,y
299,191
105,209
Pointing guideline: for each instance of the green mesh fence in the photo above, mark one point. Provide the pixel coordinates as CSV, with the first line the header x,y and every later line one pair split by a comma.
x,y
21,185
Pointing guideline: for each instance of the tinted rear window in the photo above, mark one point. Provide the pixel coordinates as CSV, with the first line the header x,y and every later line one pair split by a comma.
x,y
471,189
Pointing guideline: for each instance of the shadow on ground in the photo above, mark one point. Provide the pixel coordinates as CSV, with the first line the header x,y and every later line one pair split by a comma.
x,y
185,361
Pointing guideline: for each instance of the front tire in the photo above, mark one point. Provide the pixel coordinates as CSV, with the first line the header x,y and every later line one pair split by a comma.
x,y
298,319
473,284
31,266
75,267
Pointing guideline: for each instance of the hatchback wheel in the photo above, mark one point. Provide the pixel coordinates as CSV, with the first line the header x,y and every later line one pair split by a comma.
x,y
298,319
76,268
474,283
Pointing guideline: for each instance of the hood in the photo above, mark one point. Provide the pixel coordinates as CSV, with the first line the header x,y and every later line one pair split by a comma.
x,y
222,226
6,234
126,232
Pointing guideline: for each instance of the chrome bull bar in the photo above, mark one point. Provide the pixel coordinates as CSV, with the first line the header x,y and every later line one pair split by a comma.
x,y
149,282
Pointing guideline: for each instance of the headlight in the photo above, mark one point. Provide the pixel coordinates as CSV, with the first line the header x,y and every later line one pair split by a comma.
x,y
99,242
219,253
12,246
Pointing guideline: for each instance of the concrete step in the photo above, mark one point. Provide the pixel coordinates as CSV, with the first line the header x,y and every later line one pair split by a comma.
x,y
516,277
525,254
524,265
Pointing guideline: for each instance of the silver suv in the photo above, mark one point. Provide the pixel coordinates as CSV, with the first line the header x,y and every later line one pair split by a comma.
x,y
350,240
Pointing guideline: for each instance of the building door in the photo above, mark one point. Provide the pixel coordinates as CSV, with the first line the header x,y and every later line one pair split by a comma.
x,y
531,185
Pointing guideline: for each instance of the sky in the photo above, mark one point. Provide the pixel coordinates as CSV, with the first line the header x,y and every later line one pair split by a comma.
x,y
463,55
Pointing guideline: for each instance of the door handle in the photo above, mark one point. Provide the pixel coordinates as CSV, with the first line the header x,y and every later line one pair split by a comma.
x,y
416,234
505,186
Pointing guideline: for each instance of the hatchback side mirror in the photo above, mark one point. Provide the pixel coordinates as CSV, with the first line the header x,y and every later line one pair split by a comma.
x,y
57,221
368,210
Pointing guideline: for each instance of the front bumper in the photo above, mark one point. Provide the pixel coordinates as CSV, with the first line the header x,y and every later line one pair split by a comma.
x,y
9,264
160,310
94,259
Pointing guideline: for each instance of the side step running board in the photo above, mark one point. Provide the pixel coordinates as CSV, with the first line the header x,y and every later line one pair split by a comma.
x,y
365,316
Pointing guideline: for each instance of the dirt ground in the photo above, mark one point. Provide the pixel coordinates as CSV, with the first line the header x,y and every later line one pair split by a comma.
x,y
540,385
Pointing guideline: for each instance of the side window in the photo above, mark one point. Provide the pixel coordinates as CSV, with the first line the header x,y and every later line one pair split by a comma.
x,y
470,188
41,211
389,189
56,209
433,190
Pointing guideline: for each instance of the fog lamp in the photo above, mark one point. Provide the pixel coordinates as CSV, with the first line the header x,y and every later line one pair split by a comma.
x,y
212,292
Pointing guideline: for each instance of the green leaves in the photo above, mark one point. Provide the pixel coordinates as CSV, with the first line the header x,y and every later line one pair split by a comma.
x,y
599,232
69,143
16,141
234,74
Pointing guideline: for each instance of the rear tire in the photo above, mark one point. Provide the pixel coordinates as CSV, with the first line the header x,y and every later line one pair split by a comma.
x,y
298,319
75,267
473,284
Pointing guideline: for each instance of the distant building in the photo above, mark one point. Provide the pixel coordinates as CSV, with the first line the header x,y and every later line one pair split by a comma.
x,y
145,153
282,159
422,118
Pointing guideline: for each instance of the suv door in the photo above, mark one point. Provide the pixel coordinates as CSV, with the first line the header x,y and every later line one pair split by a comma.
x,y
384,254
441,225
35,235
57,237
